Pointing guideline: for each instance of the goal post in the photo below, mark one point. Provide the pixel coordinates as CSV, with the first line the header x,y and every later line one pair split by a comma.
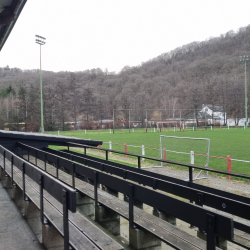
x,y
186,150
168,124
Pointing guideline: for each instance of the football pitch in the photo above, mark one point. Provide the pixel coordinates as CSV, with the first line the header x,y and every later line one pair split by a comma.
x,y
223,142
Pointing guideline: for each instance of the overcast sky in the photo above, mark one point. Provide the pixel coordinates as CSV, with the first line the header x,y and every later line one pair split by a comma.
x,y
86,34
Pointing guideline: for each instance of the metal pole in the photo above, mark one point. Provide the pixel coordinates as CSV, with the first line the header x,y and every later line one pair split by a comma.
x,y
129,119
113,121
41,89
246,123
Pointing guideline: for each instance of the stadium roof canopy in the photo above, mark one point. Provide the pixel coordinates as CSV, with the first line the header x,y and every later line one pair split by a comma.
x,y
9,13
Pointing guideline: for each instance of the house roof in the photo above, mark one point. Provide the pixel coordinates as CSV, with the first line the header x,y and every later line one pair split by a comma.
x,y
9,13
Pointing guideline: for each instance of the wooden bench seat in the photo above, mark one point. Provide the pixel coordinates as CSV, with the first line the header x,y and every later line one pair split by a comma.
x,y
88,236
165,231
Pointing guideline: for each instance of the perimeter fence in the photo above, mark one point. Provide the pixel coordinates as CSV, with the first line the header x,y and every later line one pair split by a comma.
x,y
223,163
86,132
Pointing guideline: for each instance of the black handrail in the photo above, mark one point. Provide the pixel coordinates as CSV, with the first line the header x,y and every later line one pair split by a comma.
x,y
190,166
61,192
221,200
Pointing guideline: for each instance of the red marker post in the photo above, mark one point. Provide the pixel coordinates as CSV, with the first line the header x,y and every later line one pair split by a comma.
x,y
229,165
126,148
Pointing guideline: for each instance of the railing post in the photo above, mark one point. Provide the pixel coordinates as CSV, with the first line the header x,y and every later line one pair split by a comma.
x,y
139,162
211,239
4,162
85,150
131,206
190,174
23,173
45,164
36,157
95,188
107,155
229,165
28,154
65,220
73,175
12,177
41,198
57,167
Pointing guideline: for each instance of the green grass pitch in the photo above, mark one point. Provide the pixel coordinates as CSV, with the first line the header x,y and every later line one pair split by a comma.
x,y
223,142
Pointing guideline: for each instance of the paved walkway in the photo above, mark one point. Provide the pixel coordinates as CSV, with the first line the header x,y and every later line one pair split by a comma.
x,y
15,234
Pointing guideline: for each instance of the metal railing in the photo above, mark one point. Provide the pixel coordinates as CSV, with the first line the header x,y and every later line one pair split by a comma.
x,y
61,192
201,195
213,223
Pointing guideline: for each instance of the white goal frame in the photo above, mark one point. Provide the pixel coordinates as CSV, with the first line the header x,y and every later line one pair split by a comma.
x,y
191,152
167,122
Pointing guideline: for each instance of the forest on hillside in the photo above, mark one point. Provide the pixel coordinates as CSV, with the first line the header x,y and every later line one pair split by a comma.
x,y
207,72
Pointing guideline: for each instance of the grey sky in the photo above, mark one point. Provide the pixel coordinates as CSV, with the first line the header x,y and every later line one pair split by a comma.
x,y
86,34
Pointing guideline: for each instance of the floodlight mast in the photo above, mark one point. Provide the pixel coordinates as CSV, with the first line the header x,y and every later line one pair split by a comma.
x,y
245,59
41,41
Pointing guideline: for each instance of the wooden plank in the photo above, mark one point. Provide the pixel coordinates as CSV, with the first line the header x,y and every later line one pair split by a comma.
x,y
163,230
77,238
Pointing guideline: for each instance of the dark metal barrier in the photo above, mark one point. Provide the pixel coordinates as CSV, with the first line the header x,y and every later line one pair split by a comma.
x,y
61,192
213,223
189,166
234,204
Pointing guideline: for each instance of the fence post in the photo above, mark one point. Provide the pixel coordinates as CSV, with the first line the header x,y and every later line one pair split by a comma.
x,y
164,155
126,148
229,165
192,157
211,128
143,151
110,147
174,129
244,126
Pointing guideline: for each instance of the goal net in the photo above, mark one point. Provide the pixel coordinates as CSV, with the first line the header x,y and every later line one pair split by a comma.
x,y
168,125
186,150
190,124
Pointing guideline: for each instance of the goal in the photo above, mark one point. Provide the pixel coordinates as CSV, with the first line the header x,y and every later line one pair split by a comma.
x,y
168,125
190,124
186,150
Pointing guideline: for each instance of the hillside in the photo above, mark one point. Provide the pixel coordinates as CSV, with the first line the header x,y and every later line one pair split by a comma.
x,y
207,72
